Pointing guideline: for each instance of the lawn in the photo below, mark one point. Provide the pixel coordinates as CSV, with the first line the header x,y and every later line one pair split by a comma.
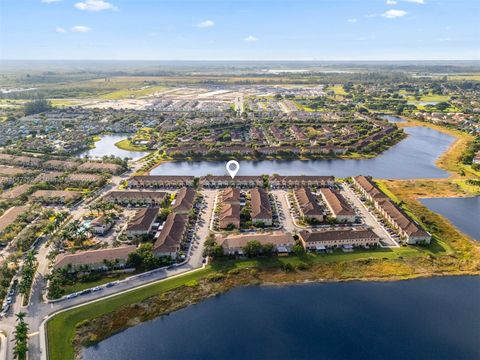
x,y
132,93
337,89
79,286
61,328
126,144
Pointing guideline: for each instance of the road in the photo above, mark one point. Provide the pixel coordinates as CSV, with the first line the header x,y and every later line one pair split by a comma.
x,y
369,219
286,219
38,309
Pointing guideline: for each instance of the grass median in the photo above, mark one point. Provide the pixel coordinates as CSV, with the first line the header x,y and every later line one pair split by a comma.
x,y
61,328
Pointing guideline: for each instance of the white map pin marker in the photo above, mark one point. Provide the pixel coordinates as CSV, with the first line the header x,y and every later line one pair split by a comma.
x,y
232,167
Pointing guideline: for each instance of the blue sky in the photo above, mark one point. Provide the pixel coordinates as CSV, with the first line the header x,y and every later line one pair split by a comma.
x,y
240,29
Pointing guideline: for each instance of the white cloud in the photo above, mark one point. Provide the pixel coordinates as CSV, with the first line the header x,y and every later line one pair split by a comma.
x,y
352,20
416,1
206,24
393,13
50,1
60,30
80,28
95,5
391,2
250,38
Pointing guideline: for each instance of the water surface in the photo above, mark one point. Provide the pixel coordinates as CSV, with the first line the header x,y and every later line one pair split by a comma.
x,y
412,158
464,212
106,146
436,318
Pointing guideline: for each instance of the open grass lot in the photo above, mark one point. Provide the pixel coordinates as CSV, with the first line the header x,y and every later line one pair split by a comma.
x,y
61,328
79,286
126,144
133,93
429,97
337,89
464,77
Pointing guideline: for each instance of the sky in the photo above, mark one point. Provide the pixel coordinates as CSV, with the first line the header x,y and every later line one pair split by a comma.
x,y
240,29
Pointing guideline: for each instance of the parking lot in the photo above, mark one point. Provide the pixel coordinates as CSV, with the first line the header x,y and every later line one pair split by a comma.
x,y
387,239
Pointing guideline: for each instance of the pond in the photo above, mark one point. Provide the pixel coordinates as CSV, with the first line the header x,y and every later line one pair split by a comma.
x,y
434,318
106,146
412,158
464,212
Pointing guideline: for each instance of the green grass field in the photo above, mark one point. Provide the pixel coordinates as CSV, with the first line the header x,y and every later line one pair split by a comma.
x,y
61,328
132,93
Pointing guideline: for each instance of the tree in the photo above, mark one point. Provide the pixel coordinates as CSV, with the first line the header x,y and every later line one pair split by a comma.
x,y
37,106
21,337
252,248
298,249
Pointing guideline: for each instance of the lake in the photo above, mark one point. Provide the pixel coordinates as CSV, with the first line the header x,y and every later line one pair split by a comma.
x,y
106,146
433,318
464,212
412,158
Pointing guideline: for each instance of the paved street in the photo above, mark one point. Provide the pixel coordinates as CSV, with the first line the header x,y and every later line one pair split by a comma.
x,y
368,218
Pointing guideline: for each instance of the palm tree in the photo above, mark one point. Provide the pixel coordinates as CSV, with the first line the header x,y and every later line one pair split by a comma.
x,y
20,337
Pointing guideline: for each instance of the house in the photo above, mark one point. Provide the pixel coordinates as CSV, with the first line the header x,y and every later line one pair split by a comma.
x,y
234,244
231,196
10,216
169,239
229,215
407,228
55,196
368,188
101,225
308,205
160,181
261,209
95,259
15,192
184,200
402,223
91,166
60,165
322,239
339,207
83,179
142,222
278,181
136,198
476,159
226,181
49,177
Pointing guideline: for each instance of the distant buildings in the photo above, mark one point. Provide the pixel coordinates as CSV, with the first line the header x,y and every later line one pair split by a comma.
x,y
55,196
160,181
136,198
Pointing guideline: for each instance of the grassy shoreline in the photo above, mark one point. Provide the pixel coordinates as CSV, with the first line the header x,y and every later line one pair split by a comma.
x,y
451,253
127,145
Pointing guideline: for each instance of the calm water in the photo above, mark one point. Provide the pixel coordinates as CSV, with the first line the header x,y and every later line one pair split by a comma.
x,y
393,119
412,158
106,146
464,213
437,318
